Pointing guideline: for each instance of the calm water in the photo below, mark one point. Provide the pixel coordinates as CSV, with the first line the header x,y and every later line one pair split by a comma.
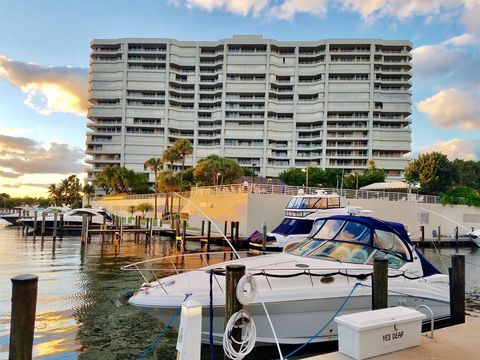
x,y
78,315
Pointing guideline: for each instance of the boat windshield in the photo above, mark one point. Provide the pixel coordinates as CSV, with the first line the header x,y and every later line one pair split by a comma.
x,y
293,226
105,215
353,242
313,202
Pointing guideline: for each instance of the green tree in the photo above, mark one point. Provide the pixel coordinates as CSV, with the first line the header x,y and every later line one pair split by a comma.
x,y
170,155
207,169
468,173
155,165
55,194
433,172
169,182
88,191
184,148
293,177
144,208
461,195
105,179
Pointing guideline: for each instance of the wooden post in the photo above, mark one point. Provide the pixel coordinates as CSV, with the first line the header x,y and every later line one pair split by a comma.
x,y
209,229
232,305
203,228
456,238
184,235
456,276
237,228
422,230
35,214
264,237
42,231
54,230
380,283
232,231
24,304
61,226
439,237
83,235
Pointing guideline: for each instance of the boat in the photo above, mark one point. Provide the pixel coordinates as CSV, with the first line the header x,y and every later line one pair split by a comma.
x,y
72,220
303,286
16,214
300,213
475,236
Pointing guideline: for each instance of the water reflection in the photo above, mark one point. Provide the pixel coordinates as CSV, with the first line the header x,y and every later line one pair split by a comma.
x,y
78,313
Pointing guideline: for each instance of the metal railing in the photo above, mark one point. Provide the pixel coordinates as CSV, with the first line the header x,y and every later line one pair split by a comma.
x,y
285,190
296,190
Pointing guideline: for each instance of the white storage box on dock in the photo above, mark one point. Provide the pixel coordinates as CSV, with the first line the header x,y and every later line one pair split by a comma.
x,y
372,333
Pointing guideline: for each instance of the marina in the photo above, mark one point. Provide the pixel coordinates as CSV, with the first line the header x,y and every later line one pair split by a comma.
x,y
85,316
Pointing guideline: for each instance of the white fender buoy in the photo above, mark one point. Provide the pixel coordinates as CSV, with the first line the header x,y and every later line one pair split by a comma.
x,y
246,289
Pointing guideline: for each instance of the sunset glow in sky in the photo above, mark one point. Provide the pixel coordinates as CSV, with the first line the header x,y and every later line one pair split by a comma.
x,y
44,56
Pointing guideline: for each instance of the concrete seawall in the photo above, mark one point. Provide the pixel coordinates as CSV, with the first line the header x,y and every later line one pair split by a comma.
x,y
252,209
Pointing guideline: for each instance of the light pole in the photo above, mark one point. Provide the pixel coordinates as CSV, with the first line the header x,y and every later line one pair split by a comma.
x,y
305,170
218,174
253,175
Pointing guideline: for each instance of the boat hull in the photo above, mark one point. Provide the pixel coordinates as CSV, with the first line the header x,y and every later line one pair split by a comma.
x,y
296,321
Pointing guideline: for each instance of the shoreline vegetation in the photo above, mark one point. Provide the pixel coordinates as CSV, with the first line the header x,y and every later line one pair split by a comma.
x,y
455,182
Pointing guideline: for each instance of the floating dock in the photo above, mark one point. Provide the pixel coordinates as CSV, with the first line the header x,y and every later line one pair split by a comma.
x,y
451,343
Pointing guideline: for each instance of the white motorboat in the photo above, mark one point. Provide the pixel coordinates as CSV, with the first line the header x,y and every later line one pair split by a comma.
x,y
300,213
303,287
475,236
72,220
16,214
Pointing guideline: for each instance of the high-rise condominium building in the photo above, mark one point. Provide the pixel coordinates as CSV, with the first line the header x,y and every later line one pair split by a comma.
x,y
277,104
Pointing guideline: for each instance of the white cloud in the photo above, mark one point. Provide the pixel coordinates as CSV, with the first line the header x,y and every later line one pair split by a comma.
x,y
471,16
456,149
401,9
49,89
239,7
453,108
462,40
429,60
289,8
20,155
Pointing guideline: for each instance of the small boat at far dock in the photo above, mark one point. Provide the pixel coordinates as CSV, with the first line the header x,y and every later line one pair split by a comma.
x,y
300,213
72,220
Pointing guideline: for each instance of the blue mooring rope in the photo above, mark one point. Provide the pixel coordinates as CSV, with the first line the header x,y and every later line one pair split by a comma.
x,y
212,353
172,319
324,326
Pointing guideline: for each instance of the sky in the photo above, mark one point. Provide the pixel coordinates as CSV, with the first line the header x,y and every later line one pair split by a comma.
x,y
44,59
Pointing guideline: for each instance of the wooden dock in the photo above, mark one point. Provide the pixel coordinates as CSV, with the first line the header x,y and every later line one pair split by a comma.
x,y
450,343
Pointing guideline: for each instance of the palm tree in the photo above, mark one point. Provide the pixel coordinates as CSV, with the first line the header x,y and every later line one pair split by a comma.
x,y
55,194
183,148
88,191
170,155
155,165
144,207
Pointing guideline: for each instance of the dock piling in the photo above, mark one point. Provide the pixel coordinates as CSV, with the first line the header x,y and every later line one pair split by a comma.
x,y
380,283
237,228
456,276
83,235
35,214
54,230
209,234
184,235
264,237
24,304
232,305
439,236
202,233
422,236
42,231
